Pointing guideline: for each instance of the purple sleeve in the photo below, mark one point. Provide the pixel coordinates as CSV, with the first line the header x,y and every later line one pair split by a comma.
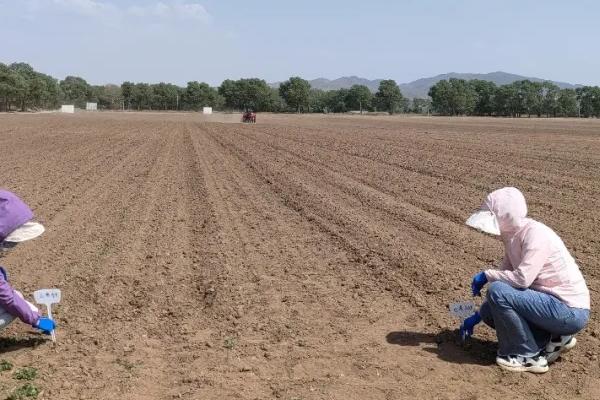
x,y
15,305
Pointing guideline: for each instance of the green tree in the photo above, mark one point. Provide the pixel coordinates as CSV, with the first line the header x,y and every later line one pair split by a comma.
x,y
318,101
230,92
359,98
276,102
485,94
127,90
165,96
550,105
440,94
254,94
75,90
510,100
567,102
420,106
108,96
21,85
8,83
532,96
589,101
295,91
141,97
249,94
27,86
337,100
389,97
453,97
198,95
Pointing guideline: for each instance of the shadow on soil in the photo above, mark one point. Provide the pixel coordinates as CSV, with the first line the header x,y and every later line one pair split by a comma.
x,y
8,345
448,346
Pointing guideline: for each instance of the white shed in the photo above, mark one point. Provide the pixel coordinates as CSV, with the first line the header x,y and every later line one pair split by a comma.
x,y
207,110
91,106
69,109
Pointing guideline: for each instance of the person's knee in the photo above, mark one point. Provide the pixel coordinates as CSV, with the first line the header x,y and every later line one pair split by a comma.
x,y
573,324
496,292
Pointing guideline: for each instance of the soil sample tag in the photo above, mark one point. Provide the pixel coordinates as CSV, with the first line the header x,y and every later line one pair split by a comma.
x,y
48,297
462,309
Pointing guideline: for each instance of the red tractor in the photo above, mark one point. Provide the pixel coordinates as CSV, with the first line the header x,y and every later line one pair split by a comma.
x,y
249,117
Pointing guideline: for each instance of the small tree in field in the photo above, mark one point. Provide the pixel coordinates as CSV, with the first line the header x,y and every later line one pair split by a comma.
x,y
389,97
296,93
359,97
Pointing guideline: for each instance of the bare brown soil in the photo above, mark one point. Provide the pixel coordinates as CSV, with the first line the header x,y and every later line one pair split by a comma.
x,y
304,257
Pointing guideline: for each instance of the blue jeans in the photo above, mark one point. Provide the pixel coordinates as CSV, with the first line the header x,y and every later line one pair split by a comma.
x,y
525,320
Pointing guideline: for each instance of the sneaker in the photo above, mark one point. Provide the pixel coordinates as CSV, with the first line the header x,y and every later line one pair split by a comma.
x,y
558,346
537,364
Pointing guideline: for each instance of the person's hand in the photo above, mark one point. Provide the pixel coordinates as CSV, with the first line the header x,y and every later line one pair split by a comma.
x,y
478,283
466,328
46,325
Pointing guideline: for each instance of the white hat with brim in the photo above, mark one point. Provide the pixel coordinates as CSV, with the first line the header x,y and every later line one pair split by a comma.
x,y
484,221
27,231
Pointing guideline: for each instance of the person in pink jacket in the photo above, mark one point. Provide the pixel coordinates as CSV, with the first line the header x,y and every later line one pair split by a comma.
x,y
16,227
537,300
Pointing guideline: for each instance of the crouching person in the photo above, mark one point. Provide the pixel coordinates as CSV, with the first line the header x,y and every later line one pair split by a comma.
x,y
16,227
538,299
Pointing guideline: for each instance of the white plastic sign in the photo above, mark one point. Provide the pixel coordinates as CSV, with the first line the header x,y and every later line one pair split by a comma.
x,y
48,297
462,309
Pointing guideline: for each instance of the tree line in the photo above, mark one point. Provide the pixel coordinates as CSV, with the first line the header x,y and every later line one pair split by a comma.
x,y
293,95
22,88
520,98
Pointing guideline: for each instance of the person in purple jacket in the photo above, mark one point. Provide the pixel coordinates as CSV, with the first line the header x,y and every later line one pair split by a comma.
x,y
16,227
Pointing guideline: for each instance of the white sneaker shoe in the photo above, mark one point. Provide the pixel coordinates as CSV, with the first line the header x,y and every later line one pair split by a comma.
x,y
558,346
537,364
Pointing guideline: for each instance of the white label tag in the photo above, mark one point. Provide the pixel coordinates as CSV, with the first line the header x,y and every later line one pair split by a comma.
x,y
47,296
462,309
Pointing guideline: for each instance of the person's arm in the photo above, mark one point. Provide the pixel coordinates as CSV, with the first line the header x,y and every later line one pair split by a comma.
x,y
535,250
15,305
505,264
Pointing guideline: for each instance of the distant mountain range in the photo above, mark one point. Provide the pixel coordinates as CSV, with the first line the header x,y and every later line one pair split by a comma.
x,y
420,87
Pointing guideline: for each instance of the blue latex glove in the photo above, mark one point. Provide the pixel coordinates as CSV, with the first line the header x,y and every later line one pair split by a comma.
x,y
4,273
479,281
46,325
466,328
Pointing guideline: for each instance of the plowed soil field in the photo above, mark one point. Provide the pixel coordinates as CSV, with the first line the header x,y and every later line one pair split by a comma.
x,y
304,257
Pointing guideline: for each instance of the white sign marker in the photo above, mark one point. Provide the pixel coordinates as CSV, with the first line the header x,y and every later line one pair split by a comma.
x,y
462,309
48,297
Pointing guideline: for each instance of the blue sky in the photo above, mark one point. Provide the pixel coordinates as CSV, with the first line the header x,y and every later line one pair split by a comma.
x,y
211,40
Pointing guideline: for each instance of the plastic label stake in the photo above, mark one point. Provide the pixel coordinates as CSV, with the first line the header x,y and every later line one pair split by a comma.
x,y
462,309
48,297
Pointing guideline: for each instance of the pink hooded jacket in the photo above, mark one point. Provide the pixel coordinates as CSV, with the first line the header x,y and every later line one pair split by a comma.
x,y
535,257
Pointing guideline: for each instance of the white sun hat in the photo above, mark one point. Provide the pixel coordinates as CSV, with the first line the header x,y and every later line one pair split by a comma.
x,y
485,221
27,231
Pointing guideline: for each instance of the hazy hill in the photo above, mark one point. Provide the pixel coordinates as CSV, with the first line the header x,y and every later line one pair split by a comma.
x,y
420,87
344,82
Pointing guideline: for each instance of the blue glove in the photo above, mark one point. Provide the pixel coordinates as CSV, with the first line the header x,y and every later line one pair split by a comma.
x,y
479,281
46,325
466,328
4,273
